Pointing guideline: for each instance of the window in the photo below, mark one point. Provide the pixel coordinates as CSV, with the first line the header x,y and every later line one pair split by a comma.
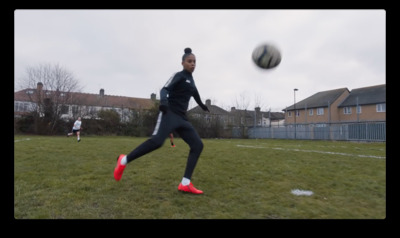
x,y
347,110
208,118
310,112
320,111
16,106
289,114
297,113
381,107
21,106
75,110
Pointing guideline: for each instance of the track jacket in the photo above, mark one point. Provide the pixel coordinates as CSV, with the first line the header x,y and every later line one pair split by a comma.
x,y
177,92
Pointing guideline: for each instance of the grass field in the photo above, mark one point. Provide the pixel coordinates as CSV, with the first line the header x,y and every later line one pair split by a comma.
x,y
58,178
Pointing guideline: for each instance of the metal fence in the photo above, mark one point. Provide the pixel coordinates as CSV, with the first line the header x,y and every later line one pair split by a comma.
x,y
365,131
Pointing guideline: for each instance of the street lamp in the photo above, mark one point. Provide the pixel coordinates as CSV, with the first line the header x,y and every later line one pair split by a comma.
x,y
294,105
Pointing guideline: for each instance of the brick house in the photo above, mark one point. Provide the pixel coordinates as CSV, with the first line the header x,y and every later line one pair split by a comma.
x,y
216,113
239,117
256,117
74,104
364,104
340,105
318,108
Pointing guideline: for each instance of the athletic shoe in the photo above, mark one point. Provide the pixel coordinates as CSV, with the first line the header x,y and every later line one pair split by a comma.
x,y
189,189
119,169
79,140
172,145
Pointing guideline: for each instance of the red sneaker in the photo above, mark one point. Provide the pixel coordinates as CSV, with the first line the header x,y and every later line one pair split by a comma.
x,y
119,169
189,189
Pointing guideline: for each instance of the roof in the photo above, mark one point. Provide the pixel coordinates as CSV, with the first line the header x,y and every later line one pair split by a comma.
x,y
266,114
320,99
277,115
364,96
247,113
213,110
88,99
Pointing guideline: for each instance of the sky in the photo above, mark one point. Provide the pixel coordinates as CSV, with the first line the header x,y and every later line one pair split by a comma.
x,y
134,52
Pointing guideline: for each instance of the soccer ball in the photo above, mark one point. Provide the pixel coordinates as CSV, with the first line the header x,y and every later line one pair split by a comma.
x,y
266,56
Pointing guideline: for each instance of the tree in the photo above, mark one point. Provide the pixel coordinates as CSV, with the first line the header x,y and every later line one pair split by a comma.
x,y
53,85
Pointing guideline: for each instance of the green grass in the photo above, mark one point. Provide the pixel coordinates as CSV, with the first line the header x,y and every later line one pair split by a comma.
x,y
56,177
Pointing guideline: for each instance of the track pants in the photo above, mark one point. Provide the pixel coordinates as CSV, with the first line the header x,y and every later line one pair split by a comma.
x,y
167,123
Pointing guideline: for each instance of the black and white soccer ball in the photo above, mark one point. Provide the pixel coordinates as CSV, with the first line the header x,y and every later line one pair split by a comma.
x,y
266,56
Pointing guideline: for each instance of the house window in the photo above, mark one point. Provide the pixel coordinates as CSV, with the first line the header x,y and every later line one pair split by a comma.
x,y
208,119
21,106
310,112
320,111
381,107
297,113
347,110
289,114
17,107
75,110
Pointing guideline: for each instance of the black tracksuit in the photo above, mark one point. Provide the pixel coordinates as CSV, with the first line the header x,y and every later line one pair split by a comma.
x,y
174,101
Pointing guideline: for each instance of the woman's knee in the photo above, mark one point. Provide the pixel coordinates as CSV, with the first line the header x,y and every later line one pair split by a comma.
x,y
197,146
157,141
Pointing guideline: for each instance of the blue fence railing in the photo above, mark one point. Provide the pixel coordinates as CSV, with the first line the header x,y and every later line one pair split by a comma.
x,y
362,131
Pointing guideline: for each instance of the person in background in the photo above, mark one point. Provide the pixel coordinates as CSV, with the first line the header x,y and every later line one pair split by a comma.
x,y
76,129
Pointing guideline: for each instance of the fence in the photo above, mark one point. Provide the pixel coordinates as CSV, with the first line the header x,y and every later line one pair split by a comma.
x,y
365,131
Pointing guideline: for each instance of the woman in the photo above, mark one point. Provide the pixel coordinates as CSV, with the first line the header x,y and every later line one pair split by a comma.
x,y
174,101
77,129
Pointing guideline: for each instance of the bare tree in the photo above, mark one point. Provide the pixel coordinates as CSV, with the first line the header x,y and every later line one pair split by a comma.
x,y
259,101
242,101
52,86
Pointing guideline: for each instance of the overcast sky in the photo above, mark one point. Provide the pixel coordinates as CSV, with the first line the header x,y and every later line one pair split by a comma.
x,y
134,52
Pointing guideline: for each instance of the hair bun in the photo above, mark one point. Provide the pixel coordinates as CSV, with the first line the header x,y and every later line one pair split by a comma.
x,y
188,50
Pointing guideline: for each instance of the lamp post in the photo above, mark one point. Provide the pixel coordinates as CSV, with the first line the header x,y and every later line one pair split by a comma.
x,y
294,105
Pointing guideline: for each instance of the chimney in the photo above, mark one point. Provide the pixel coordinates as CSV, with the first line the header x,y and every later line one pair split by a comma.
x,y
101,92
233,109
153,96
208,102
39,86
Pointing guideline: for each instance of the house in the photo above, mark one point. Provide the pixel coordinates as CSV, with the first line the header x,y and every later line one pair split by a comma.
x,y
318,108
216,113
238,117
364,104
256,118
74,104
340,105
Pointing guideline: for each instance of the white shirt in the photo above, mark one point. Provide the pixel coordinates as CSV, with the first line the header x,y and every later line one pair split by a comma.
x,y
77,125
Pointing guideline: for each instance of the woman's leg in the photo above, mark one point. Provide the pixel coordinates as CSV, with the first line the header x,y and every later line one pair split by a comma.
x,y
161,132
192,138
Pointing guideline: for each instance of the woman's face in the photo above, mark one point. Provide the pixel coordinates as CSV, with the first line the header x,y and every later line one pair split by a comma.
x,y
189,64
